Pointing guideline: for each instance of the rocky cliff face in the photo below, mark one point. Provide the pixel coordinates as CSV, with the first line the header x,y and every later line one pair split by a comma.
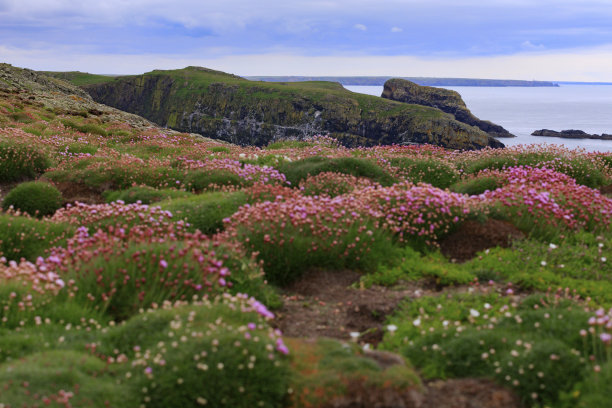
x,y
59,96
444,99
233,109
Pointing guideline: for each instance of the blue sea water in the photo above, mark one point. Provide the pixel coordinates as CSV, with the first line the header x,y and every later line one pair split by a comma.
x,y
523,110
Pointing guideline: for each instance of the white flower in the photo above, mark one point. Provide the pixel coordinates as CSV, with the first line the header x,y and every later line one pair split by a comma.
x,y
552,246
354,335
417,321
543,263
487,306
474,313
392,328
603,259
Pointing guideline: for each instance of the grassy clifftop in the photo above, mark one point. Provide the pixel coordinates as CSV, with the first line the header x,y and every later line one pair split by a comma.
x,y
227,107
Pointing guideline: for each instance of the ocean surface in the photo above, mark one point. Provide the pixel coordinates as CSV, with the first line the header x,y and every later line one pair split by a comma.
x,y
523,110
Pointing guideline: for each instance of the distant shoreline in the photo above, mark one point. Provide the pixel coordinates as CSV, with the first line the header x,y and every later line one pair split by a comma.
x,y
380,81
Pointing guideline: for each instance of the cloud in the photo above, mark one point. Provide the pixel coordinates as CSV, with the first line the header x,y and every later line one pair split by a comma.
x,y
528,45
187,30
566,65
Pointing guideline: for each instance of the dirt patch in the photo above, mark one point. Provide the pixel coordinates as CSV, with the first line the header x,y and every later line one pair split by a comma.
x,y
323,303
469,393
5,188
459,393
73,192
473,236
607,190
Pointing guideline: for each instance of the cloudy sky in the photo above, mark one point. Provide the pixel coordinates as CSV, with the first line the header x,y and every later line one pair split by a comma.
x,y
516,39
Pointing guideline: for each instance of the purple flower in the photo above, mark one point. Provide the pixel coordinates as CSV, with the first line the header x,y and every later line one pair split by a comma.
x,y
163,263
605,337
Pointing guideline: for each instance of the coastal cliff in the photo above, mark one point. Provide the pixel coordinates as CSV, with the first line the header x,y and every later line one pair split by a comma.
x,y
444,99
230,108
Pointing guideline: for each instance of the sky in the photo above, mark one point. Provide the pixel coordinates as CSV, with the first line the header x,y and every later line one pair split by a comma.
x,y
559,40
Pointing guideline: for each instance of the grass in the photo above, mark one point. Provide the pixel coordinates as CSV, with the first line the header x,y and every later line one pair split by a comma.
x,y
144,194
29,238
206,212
534,347
297,171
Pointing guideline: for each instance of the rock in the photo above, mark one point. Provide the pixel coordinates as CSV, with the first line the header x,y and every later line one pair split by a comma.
x,y
444,99
59,96
222,106
571,134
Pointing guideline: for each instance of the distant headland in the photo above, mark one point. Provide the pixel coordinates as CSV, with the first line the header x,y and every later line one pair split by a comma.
x,y
427,81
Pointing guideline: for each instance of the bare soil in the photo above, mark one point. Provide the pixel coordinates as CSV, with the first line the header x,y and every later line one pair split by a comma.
x,y
473,236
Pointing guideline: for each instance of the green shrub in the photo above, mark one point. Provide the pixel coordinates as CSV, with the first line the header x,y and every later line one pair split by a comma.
x,y
21,162
303,250
122,278
51,376
219,149
29,238
289,144
206,211
594,392
85,127
476,186
144,194
540,373
430,171
211,180
76,148
35,198
226,362
21,117
533,347
298,170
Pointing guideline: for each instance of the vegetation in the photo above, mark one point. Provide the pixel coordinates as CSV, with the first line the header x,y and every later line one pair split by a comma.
x,y
35,198
156,283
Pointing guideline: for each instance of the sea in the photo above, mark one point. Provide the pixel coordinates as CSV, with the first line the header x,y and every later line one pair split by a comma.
x,y
521,110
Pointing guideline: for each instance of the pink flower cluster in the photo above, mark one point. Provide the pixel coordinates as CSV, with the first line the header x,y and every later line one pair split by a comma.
x,y
332,184
325,219
248,172
410,210
551,198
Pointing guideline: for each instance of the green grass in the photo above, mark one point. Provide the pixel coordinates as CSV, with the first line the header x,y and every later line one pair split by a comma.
x,y
476,186
29,238
80,78
92,128
430,171
144,194
575,263
53,373
205,212
297,171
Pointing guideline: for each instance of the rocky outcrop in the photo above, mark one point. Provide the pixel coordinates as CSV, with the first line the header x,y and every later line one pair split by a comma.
x,y
226,107
59,96
571,134
444,99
